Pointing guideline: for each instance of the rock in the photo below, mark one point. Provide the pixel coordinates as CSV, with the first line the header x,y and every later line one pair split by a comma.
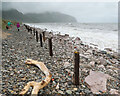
x,y
68,70
83,86
103,52
112,67
69,92
85,70
97,81
113,91
57,87
102,61
67,64
23,78
69,83
12,73
115,55
75,89
108,49
53,91
77,38
54,83
11,91
101,66
92,63
108,62
61,92
86,66
89,51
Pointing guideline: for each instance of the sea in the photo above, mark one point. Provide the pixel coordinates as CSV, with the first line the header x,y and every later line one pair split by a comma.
x,y
100,35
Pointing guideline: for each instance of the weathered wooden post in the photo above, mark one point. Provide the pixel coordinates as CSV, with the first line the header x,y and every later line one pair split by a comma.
x,y
43,36
50,46
28,29
34,31
41,44
37,36
31,30
76,68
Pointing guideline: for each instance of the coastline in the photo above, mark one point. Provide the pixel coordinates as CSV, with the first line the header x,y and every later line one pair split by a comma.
x,y
23,45
91,34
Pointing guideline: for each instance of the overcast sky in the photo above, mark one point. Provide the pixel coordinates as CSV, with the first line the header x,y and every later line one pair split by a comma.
x,y
83,11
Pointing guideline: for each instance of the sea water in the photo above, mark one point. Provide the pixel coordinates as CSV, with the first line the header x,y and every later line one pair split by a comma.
x,y
103,35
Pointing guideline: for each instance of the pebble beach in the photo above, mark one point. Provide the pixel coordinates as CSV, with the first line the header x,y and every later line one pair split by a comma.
x,y
21,45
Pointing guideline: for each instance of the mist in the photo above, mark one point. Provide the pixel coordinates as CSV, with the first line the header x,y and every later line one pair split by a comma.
x,y
84,12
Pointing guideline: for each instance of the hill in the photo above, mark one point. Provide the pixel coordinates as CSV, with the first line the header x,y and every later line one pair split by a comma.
x,y
48,17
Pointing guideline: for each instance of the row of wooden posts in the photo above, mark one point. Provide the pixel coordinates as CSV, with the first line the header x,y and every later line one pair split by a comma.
x,y
42,37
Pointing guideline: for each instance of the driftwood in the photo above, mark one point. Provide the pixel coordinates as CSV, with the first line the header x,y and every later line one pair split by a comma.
x,y
37,85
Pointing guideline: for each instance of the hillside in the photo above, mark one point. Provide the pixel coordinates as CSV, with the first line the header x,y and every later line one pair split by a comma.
x,y
13,14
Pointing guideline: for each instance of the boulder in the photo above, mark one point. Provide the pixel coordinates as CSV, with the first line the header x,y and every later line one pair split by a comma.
x,y
97,81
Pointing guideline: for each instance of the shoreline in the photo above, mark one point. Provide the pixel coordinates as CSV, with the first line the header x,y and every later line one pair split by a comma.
x,y
23,45
88,40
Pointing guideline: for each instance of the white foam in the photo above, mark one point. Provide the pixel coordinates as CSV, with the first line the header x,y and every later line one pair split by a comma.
x,y
103,35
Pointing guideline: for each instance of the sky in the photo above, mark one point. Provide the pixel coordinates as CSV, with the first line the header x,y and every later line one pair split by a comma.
x,y
84,12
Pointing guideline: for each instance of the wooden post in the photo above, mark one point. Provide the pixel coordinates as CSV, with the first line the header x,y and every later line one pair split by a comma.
x,y
41,44
50,46
43,36
30,30
76,68
34,31
27,28
37,36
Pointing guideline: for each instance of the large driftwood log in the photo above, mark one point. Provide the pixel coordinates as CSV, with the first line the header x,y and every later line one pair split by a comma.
x,y
37,85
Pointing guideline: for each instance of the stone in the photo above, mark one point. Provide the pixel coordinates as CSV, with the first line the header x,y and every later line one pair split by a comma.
x,y
61,92
89,51
12,73
101,66
75,89
97,81
53,91
77,92
69,83
108,49
54,82
68,70
112,67
67,64
69,92
102,61
83,86
57,87
103,52
108,62
23,78
92,63
113,91
116,55
84,70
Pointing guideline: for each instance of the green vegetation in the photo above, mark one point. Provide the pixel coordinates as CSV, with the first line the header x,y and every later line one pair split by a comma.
x,y
48,17
4,23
